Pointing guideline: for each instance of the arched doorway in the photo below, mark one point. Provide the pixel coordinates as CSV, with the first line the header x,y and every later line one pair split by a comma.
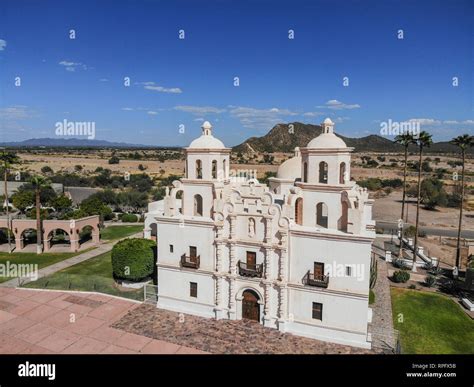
x,y
250,305
322,215
58,238
28,236
299,211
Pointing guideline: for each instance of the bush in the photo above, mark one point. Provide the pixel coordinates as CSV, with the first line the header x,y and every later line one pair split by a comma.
x,y
399,263
371,297
401,276
114,160
129,218
430,281
133,259
412,286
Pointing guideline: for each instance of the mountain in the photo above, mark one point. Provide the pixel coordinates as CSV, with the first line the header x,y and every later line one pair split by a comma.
x,y
283,138
69,142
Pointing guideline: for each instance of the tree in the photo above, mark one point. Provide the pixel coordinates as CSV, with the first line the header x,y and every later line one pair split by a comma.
x,y
94,206
433,193
23,199
8,159
114,160
404,139
61,203
463,142
422,141
39,183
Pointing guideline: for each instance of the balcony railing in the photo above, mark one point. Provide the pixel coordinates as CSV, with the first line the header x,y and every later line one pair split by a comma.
x,y
321,281
190,262
246,270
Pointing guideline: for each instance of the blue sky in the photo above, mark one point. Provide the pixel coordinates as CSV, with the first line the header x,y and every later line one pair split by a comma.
x,y
183,81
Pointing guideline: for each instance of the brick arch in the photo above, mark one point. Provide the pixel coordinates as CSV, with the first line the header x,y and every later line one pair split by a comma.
x,y
71,227
47,236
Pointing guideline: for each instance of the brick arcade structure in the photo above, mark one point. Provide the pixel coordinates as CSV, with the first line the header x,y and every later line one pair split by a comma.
x,y
71,227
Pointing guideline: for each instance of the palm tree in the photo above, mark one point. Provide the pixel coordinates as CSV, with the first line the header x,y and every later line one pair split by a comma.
x,y
423,140
38,183
8,159
463,142
404,139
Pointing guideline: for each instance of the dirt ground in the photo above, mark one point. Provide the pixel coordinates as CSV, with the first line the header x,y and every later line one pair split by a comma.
x,y
388,209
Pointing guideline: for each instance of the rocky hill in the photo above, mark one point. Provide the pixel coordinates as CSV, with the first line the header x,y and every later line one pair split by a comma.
x,y
285,137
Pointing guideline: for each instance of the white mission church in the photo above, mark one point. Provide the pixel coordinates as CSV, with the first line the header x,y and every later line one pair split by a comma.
x,y
294,255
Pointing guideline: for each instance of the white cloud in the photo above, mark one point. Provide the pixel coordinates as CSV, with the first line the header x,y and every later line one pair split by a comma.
x,y
260,118
199,119
127,109
152,113
3,44
338,105
103,80
15,112
73,66
154,87
455,122
199,110
312,114
425,121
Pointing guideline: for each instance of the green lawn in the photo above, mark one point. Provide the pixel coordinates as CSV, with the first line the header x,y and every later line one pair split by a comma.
x,y
94,274
431,323
42,260
111,233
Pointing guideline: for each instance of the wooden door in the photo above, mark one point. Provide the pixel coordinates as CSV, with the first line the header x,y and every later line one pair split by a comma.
x,y
192,253
318,270
250,306
251,260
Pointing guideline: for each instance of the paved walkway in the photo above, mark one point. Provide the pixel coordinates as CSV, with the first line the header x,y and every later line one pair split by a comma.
x,y
101,249
222,336
383,334
52,322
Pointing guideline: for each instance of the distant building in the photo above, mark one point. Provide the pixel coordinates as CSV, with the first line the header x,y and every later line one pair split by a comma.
x,y
294,256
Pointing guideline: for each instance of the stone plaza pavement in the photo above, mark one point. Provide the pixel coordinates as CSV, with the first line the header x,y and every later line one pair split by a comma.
x,y
52,322
223,336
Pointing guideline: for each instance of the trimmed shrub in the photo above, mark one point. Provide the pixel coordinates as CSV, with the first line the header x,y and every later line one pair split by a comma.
x,y
129,218
133,259
371,297
401,276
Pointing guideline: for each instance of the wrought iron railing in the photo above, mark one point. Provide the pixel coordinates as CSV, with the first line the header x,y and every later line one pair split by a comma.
x,y
191,262
246,270
321,281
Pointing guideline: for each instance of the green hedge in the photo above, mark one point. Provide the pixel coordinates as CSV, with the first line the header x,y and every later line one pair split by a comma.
x,y
129,218
133,259
401,276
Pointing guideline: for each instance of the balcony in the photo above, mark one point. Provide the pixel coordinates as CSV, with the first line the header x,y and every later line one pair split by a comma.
x,y
321,281
190,262
246,270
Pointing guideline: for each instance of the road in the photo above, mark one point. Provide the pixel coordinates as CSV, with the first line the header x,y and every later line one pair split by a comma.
x,y
469,234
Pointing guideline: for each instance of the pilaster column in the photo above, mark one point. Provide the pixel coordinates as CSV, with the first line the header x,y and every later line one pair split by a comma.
x,y
283,257
232,258
282,307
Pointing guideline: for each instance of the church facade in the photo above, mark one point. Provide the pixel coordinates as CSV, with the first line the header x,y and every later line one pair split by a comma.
x,y
294,255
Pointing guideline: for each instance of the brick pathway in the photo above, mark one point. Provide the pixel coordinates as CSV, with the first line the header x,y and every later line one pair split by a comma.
x,y
383,334
44,322
223,336
48,270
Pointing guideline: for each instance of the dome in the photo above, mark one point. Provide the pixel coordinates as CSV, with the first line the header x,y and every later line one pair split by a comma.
x,y
207,140
328,121
291,168
327,140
